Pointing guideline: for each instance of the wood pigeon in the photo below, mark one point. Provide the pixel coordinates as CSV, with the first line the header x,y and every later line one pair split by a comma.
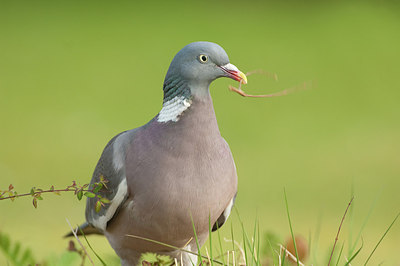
x,y
175,171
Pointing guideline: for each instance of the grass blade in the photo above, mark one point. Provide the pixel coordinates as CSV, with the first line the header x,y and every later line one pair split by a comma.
x,y
232,236
210,237
291,229
284,256
173,247
197,241
351,223
380,240
94,252
74,232
244,246
258,244
371,208
221,250
272,251
355,254
245,238
316,239
253,247
340,254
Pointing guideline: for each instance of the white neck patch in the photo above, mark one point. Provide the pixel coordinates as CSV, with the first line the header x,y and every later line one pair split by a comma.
x,y
173,108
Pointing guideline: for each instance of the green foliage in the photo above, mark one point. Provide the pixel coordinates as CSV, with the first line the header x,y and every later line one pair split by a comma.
x,y
154,259
89,194
248,251
15,253
274,253
79,191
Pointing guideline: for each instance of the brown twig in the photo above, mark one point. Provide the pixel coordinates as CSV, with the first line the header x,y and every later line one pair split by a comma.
x,y
80,243
263,72
242,93
43,191
280,93
340,226
79,192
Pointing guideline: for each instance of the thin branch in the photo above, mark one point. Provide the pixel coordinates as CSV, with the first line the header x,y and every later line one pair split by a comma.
x,y
40,192
80,243
263,72
79,192
340,226
279,93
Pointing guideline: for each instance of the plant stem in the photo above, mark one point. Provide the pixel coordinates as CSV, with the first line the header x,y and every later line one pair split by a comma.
x,y
340,226
40,192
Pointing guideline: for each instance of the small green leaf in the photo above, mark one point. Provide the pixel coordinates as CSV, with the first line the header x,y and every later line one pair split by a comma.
x,y
52,188
103,181
98,187
90,194
79,194
98,206
35,202
39,197
149,257
32,191
105,200
165,260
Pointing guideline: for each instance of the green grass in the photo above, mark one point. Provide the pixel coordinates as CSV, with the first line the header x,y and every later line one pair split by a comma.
x,y
248,250
73,74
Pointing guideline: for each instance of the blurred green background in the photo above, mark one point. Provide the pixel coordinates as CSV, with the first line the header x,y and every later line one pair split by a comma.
x,y
73,74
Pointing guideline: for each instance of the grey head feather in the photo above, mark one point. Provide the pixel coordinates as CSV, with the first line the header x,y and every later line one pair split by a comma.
x,y
188,75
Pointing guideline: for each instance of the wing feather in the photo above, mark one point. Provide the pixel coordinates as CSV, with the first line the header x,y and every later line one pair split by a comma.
x,y
111,166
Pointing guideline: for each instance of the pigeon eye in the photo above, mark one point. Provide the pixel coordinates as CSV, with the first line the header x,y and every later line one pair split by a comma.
x,y
203,58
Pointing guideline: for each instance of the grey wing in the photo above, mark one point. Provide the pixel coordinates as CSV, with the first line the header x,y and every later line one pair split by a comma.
x,y
224,216
111,166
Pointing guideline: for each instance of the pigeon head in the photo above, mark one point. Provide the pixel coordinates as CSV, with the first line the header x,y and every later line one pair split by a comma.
x,y
190,74
198,64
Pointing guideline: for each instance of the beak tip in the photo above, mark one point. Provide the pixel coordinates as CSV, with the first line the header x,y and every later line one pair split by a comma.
x,y
233,72
243,77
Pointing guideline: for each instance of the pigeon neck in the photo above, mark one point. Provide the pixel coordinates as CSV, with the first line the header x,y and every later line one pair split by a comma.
x,y
177,98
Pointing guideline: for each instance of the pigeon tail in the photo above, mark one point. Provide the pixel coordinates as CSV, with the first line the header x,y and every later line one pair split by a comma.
x,y
86,228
